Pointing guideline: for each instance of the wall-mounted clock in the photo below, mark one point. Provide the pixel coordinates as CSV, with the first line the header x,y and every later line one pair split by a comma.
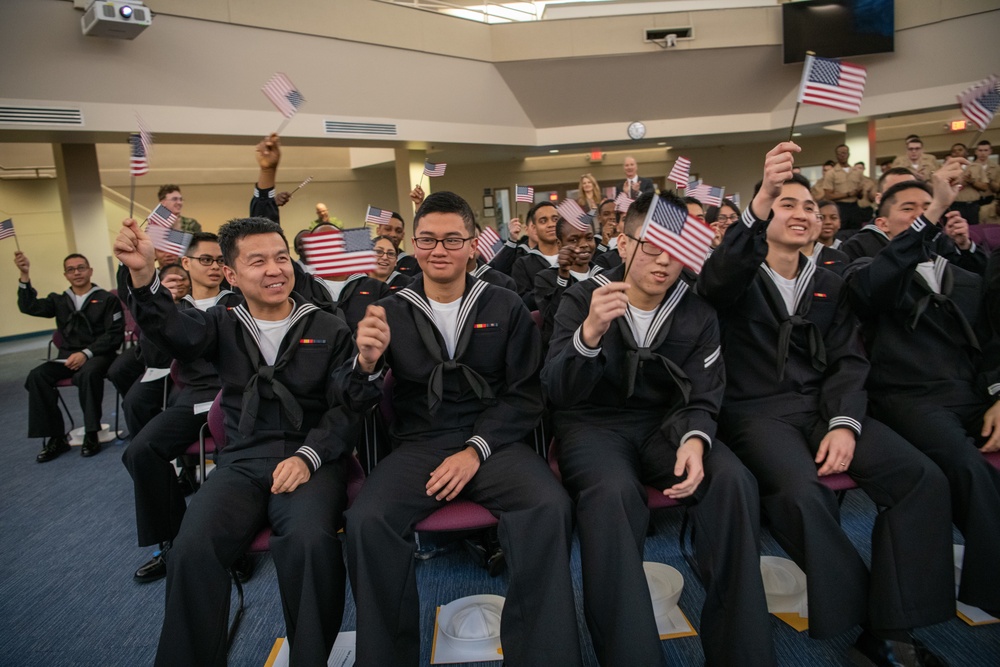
x,y
636,130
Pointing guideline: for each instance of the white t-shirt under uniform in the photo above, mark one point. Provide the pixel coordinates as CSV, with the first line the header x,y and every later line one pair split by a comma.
x,y
446,319
271,333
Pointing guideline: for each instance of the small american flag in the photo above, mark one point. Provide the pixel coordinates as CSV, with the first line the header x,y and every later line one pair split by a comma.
x,y
980,102
735,198
376,216
489,244
681,172
575,215
283,94
7,228
432,170
166,239
524,193
332,252
622,202
827,82
671,229
706,194
138,164
145,135
161,217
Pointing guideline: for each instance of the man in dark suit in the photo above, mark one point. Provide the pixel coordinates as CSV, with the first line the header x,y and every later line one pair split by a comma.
x,y
634,185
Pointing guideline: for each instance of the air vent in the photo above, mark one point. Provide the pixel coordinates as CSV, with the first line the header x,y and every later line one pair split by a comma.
x,y
660,34
41,116
109,11
139,14
339,127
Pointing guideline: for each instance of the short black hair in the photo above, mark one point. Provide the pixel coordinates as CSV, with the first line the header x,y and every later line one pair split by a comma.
x,y
889,196
446,202
824,202
397,216
640,207
239,228
829,163
394,245
984,142
603,203
530,218
914,139
74,255
795,178
896,171
843,146
694,200
202,237
166,190
730,203
171,267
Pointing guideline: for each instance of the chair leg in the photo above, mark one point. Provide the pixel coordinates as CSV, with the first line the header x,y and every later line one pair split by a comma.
x,y
239,607
118,411
686,544
65,408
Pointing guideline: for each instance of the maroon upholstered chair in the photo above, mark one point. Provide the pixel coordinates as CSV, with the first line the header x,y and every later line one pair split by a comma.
x,y
54,344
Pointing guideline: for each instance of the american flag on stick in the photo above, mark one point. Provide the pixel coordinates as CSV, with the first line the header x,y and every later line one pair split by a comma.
x,y
7,229
138,164
735,198
706,194
145,134
489,244
167,239
283,94
524,193
674,231
980,102
827,82
681,172
334,252
377,216
161,217
574,214
622,202
433,170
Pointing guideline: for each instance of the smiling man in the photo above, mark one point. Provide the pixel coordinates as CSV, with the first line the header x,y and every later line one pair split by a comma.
x,y
542,219
464,356
795,410
576,252
287,442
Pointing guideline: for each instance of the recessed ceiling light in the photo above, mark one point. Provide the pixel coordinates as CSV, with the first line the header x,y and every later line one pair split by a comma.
x,y
796,134
554,150
661,143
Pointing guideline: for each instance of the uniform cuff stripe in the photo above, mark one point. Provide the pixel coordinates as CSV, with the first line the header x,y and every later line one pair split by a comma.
x,y
310,454
697,434
581,348
845,422
481,446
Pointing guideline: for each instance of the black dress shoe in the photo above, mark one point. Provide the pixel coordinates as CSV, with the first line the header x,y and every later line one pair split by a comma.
x,y
91,444
243,568
154,569
869,650
52,448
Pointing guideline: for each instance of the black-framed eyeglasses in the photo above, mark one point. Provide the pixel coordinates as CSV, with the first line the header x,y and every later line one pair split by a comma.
x,y
647,248
379,252
76,269
208,260
729,219
450,243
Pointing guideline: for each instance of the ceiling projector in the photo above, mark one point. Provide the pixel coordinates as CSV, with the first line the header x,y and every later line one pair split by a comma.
x,y
118,20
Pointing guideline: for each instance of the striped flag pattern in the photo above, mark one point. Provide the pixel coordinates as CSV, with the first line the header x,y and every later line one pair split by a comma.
x,y
706,194
283,94
167,239
489,244
334,252
376,216
138,164
735,198
161,217
572,213
681,172
432,170
671,229
622,202
827,82
145,135
980,102
524,193
7,228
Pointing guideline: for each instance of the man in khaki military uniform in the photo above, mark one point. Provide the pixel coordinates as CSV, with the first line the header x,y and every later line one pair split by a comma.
x,y
842,185
922,164
981,182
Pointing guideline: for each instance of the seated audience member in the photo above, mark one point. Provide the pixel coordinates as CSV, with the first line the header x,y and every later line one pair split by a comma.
x,y
981,182
590,194
724,216
795,411
159,499
346,297
181,287
172,199
515,246
91,324
635,378
866,197
818,252
955,244
542,218
927,330
829,217
922,164
385,271
395,230
607,227
576,252
464,357
287,441
633,185
477,268
299,248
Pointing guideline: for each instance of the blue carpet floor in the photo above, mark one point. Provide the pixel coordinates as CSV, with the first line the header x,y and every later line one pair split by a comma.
x,y
67,553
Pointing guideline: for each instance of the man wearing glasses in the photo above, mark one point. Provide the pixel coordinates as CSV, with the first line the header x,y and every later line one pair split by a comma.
x,y
172,199
90,323
464,355
159,499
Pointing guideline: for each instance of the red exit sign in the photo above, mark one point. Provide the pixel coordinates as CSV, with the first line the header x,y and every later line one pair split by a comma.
x,y
958,125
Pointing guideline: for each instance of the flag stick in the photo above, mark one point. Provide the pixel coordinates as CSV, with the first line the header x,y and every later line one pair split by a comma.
x,y
630,260
284,124
798,103
131,198
791,130
16,243
420,183
305,182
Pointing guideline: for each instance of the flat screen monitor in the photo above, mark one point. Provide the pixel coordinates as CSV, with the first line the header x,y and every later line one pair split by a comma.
x,y
837,28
